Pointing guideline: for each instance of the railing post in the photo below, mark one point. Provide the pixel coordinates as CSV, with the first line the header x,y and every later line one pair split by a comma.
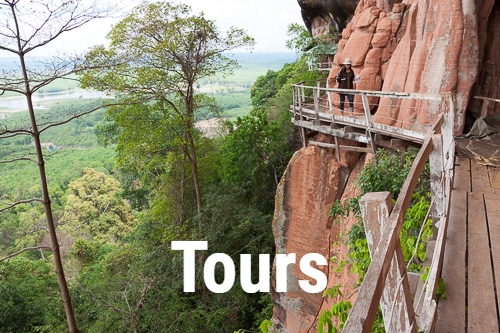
x,y
297,89
396,302
484,108
299,98
437,173
369,124
294,97
330,105
303,92
316,100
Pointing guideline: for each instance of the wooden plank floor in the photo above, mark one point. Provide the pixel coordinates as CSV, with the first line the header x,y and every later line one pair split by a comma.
x,y
471,264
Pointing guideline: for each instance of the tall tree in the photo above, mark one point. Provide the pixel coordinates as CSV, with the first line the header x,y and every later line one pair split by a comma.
x,y
158,54
26,26
95,209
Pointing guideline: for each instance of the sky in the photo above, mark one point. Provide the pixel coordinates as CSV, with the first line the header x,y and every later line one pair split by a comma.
x,y
264,20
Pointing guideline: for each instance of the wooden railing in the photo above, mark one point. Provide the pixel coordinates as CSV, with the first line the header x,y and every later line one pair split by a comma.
x,y
314,103
485,104
402,312
386,281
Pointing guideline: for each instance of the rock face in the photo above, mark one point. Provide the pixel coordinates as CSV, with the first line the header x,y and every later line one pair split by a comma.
x,y
312,182
301,226
425,47
321,16
419,46
488,81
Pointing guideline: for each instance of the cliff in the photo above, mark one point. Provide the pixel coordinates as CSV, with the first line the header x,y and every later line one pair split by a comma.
x,y
410,46
313,180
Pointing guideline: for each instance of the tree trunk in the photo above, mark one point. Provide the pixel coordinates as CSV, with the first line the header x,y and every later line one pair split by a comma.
x,y
194,167
66,298
192,148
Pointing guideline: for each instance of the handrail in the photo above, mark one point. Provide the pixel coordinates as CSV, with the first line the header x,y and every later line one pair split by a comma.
x,y
487,98
313,107
483,112
426,96
436,146
365,307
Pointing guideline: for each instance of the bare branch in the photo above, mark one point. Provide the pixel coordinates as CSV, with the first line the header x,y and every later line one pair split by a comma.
x,y
19,159
9,87
20,202
12,133
5,132
24,250
80,114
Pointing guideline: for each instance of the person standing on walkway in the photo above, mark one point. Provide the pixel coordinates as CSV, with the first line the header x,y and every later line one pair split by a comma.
x,y
345,80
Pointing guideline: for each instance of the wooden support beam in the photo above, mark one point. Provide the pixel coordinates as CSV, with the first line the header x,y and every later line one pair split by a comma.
x,y
323,144
484,108
399,132
436,128
316,102
365,308
371,138
396,301
335,132
304,136
342,147
366,109
330,104
436,170
357,149
337,150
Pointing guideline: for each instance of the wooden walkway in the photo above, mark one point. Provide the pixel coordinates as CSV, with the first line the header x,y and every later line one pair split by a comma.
x,y
471,264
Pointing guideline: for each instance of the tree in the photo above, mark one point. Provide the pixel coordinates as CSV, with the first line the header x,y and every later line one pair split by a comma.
x,y
263,88
28,297
299,39
26,27
316,48
255,155
157,55
94,207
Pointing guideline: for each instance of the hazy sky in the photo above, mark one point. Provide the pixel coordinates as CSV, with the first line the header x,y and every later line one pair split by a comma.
x,y
264,20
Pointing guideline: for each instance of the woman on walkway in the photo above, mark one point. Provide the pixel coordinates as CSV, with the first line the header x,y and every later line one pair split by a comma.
x,y
345,80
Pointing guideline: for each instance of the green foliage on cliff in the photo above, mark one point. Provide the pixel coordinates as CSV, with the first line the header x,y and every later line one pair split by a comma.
x,y
387,171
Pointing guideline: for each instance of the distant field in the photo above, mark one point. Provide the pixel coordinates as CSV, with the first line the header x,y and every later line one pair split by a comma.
x,y
75,143
231,92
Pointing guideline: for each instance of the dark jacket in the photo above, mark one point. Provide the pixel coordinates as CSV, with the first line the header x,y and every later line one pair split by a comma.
x,y
345,80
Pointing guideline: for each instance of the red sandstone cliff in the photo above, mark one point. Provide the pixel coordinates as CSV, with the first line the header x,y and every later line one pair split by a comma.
x,y
312,182
411,46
